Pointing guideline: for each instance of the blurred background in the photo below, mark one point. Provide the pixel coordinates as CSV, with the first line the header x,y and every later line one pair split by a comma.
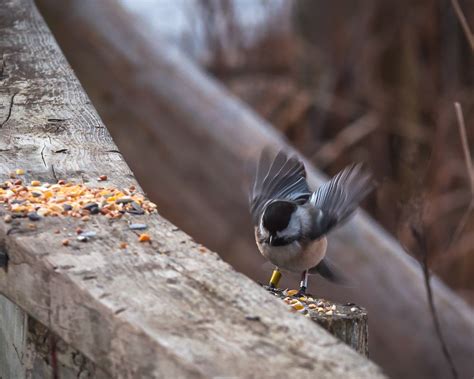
x,y
347,81
340,81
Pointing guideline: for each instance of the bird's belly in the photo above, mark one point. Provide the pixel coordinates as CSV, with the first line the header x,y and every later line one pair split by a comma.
x,y
295,257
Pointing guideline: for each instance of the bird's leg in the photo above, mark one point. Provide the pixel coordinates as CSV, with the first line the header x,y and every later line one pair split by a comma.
x,y
303,283
275,279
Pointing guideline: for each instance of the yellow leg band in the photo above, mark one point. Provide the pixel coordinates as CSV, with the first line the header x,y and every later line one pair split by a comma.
x,y
275,279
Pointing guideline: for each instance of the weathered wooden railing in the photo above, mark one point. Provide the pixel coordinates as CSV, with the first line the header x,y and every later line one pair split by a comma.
x,y
169,308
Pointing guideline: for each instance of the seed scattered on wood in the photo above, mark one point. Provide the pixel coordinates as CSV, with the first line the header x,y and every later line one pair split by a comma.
x,y
67,207
144,238
124,200
298,306
33,216
312,306
102,178
12,175
69,199
85,218
88,234
19,171
138,226
123,245
8,219
79,230
291,292
65,242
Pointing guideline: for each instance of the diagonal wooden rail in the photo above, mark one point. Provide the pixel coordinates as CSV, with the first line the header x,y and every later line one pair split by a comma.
x,y
167,309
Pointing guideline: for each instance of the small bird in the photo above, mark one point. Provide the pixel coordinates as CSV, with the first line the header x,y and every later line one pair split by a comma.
x,y
291,222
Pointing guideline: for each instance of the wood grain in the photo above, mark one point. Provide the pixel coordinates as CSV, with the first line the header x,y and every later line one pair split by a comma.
x,y
153,96
167,309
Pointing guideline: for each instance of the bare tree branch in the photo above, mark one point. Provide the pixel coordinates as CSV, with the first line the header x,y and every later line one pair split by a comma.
x,y
420,237
464,24
467,158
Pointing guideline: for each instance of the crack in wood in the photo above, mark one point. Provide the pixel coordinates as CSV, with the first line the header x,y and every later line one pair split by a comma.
x,y
42,155
2,68
12,99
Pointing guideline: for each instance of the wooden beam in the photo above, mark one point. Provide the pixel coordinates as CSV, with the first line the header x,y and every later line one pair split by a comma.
x,y
167,309
195,140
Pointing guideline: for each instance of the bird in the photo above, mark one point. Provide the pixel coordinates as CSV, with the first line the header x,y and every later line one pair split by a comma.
x,y
291,222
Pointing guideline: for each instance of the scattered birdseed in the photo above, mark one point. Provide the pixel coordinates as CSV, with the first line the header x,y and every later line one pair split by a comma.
x,y
65,242
102,178
144,238
89,234
70,199
298,306
123,245
19,171
291,292
8,219
312,306
138,226
33,216
85,218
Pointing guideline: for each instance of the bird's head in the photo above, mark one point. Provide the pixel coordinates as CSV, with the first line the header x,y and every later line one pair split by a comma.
x,y
277,216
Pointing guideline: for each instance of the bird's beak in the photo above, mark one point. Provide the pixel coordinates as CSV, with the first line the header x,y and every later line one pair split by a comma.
x,y
271,239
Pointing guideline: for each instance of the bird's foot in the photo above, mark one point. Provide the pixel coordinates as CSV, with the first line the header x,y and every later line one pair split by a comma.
x,y
301,292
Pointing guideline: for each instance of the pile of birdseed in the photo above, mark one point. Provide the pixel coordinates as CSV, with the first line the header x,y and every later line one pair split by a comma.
x,y
36,200
312,307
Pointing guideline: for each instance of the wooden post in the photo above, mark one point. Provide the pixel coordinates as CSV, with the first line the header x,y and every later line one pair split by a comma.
x,y
162,309
348,322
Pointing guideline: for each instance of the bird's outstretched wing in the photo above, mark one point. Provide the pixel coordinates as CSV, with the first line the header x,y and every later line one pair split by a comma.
x,y
336,200
282,178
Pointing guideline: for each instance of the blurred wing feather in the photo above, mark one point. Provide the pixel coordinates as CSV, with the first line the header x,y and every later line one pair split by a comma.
x,y
282,178
336,200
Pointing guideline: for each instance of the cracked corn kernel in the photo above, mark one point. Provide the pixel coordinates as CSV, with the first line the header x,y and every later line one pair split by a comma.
x,y
102,178
123,245
65,242
312,306
19,171
144,238
292,292
35,183
298,306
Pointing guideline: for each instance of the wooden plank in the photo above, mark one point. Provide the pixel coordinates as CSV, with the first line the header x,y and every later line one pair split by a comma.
x,y
12,339
168,309
176,104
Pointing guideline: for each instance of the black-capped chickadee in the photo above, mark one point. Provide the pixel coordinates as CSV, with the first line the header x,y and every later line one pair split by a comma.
x,y
291,222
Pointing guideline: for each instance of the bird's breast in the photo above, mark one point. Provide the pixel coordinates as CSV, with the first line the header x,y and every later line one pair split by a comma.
x,y
295,257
